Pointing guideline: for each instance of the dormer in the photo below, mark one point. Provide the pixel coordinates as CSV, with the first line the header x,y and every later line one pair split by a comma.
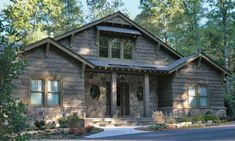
x,y
116,41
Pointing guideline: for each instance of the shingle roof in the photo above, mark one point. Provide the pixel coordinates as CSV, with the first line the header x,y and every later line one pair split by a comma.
x,y
140,65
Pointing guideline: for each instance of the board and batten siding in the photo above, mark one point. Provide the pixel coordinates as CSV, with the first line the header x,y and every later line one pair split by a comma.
x,y
191,74
84,44
56,64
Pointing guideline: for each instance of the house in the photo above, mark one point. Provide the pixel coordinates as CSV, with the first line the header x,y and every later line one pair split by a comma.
x,y
115,68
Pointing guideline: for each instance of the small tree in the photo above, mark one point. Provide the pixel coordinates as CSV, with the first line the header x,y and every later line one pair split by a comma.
x,y
12,113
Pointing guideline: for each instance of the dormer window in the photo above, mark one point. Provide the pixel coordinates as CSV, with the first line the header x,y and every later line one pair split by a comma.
x,y
113,47
116,42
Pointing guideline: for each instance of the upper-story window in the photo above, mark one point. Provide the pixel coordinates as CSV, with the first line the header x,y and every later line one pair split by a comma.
x,y
112,47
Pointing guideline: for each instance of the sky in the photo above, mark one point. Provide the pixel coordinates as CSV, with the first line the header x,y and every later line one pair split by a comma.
x,y
131,5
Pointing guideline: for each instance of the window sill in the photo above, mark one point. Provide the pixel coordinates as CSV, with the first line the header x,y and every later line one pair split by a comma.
x,y
46,106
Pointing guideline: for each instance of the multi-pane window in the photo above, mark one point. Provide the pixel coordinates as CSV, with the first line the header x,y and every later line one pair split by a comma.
x,y
128,46
37,92
104,46
115,47
53,92
45,92
198,96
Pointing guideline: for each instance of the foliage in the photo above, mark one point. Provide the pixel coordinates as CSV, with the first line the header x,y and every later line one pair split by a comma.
x,y
40,124
71,121
101,8
211,117
63,121
185,119
12,112
197,118
230,105
158,117
155,127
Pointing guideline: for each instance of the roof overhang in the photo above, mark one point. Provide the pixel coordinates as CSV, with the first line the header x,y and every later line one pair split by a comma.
x,y
203,56
118,30
135,25
60,47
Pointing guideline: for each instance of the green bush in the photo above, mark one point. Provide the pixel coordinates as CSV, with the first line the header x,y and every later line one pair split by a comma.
x,y
73,120
198,118
185,119
155,127
40,124
229,101
63,121
211,117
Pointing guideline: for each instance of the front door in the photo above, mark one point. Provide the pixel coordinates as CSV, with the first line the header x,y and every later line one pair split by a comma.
x,y
123,98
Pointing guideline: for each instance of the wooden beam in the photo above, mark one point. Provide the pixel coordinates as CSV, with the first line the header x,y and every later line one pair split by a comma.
x,y
114,94
47,49
71,40
199,62
146,96
83,70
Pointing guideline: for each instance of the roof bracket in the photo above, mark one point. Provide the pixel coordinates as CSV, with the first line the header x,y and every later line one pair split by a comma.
x,y
71,40
199,62
47,49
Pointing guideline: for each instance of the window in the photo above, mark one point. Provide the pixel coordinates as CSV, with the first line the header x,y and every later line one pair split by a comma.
x,y
104,47
45,92
115,47
53,92
36,92
95,92
128,46
198,96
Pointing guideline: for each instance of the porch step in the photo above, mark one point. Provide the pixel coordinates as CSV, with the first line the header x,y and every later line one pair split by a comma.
x,y
111,122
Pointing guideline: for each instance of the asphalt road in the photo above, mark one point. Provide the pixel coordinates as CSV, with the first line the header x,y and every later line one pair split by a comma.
x,y
221,133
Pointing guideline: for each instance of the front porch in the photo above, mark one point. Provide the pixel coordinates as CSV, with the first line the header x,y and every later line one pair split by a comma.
x,y
121,95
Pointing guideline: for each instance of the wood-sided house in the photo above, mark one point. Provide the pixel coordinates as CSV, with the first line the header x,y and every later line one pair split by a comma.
x,y
115,68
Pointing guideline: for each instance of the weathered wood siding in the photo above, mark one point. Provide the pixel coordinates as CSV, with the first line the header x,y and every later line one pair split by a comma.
x,y
56,64
164,92
192,74
84,43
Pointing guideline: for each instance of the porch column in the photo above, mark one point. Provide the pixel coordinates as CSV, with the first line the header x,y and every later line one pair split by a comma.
x,y
114,94
146,96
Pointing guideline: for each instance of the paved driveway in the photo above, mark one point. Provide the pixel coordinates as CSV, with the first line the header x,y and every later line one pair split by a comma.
x,y
221,133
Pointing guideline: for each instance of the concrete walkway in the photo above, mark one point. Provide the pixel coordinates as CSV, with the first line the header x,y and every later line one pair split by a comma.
x,y
116,131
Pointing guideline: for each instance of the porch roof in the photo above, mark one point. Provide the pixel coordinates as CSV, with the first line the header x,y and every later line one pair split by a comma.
x,y
127,64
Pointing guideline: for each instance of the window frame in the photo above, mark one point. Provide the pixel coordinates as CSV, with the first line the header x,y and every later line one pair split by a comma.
x,y
121,48
45,92
197,86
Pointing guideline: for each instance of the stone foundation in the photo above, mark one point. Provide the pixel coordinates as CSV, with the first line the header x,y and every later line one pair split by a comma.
x,y
182,112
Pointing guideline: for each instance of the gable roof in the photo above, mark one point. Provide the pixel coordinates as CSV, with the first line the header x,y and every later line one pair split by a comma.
x,y
60,47
137,26
186,60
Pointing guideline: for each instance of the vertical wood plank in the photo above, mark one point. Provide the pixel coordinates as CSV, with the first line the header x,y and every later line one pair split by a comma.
x,y
146,96
114,94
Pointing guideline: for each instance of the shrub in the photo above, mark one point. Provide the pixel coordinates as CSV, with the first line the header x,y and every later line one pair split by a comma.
x,y
211,117
198,118
185,119
73,120
39,124
158,117
155,127
63,121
